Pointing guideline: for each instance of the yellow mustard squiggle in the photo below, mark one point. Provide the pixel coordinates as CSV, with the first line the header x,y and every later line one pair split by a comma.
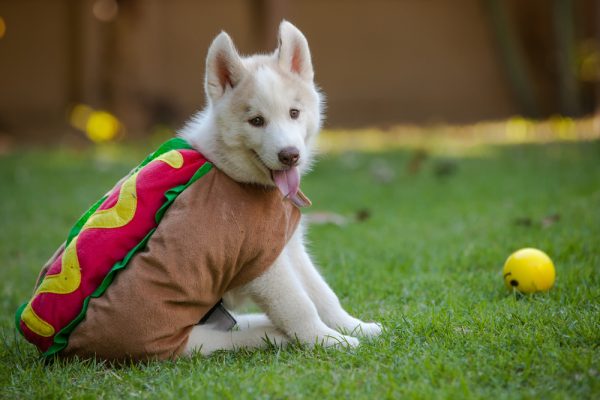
x,y
69,278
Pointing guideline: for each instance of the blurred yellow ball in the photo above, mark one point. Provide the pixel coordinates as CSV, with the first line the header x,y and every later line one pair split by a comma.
x,y
102,126
529,270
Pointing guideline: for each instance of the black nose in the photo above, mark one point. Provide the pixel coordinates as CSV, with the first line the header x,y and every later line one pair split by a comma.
x,y
289,156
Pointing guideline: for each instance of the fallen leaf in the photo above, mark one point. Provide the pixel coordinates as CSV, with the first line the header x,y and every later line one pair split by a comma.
x,y
416,161
445,168
363,214
325,217
550,220
523,221
382,172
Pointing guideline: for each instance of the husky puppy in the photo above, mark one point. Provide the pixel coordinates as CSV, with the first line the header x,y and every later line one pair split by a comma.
x,y
262,116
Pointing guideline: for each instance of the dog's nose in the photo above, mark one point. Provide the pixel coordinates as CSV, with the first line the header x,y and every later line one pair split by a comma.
x,y
289,156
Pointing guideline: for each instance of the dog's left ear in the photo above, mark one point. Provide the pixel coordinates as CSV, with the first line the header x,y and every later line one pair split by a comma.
x,y
293,52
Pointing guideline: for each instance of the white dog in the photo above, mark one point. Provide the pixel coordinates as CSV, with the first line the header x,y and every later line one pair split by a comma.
x,y
259,127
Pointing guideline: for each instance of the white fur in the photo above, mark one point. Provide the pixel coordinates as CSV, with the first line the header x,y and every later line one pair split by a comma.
x,y
298,303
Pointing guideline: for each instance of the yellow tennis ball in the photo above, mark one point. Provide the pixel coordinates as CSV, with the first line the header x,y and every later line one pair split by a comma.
x,y
529,270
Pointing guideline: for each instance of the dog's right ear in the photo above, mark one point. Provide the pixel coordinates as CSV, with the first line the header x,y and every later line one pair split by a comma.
x,y
224,68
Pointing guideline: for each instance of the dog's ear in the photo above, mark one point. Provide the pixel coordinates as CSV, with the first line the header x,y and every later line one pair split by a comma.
x,y
224,67
293,51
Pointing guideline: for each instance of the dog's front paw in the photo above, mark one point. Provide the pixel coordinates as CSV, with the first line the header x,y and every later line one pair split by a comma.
x,y
368,329
356,327
338,341
327,338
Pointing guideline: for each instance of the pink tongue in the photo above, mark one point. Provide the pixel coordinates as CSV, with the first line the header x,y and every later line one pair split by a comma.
x,y
288,181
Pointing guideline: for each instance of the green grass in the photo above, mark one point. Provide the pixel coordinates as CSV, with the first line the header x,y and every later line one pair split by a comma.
x,y
427,264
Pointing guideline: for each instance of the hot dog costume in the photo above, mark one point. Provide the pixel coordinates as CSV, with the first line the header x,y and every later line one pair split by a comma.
x,y
146,262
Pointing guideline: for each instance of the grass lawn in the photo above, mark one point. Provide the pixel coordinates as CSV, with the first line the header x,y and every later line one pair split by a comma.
x,y
425,260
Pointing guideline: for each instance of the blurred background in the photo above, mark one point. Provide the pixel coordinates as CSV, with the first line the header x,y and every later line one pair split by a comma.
x,y
105,69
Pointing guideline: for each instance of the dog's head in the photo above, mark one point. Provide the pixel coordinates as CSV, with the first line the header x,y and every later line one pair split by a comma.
x,y
266,110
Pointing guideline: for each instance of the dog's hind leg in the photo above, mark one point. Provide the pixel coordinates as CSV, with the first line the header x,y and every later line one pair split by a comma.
x,y
328,305
255,331
250,321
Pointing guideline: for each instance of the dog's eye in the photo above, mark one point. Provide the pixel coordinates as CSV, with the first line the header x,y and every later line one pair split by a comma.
x,y
257,121
294,113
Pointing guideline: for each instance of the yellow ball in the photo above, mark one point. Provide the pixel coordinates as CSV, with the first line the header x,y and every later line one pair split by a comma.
x,y
102,126
528,271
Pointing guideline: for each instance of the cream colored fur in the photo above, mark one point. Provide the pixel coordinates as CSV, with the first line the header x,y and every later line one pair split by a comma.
x,y
297,302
